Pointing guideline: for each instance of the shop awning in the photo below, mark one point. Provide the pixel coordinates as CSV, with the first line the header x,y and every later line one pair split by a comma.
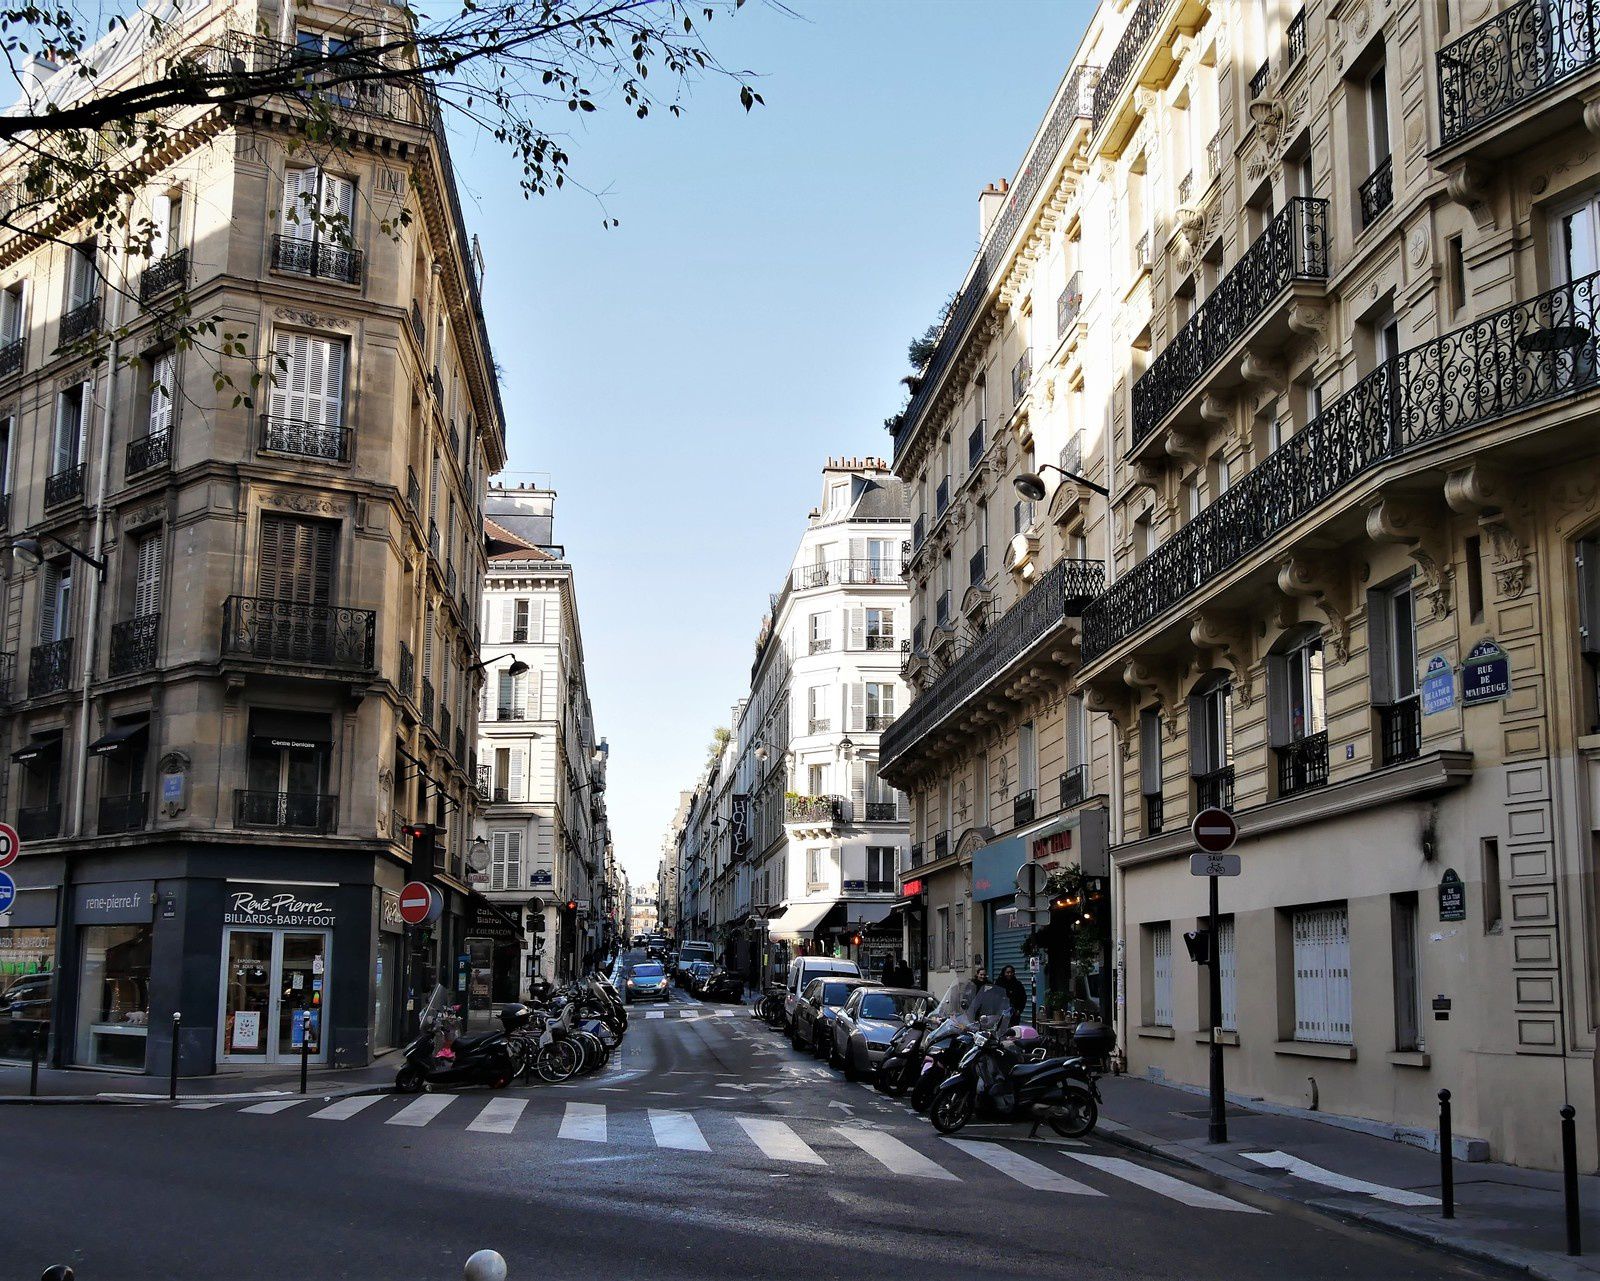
x,y
120,738
40,747
800,919
287,742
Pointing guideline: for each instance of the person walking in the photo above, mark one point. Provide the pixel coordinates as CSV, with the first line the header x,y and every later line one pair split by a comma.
x,y
1016,994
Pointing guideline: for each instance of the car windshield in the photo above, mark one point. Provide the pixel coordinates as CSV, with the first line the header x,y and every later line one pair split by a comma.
x,y
881,1005
835,993
647,971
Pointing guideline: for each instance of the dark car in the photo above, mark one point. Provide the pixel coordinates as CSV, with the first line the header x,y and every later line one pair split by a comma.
x,y
815,1010
693,974
25,1011
721,985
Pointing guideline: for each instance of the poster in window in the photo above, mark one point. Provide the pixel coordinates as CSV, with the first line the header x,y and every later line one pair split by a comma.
x,y
247,1030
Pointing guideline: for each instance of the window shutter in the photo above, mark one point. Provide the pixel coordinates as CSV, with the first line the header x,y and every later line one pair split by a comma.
x,y
299,195
49,601
857,714
1149,752
433,488
161,389
1162,949
161,226
519,783
427,644
82,282
858,629
282,374
338,202
10,314
147,582
69,416
858,791
530,693
519,694
327,377
497,857
513,860
1200,735
536,621
1278,699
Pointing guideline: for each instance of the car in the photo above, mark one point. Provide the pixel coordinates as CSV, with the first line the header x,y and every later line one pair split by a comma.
x,y
722,985
867,1023
690,952
816,1010
25,1011
696,971
801,971
645,981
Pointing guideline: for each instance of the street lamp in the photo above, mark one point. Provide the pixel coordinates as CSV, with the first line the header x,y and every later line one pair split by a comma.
x,y
517,667
1031,483
28,554
847,748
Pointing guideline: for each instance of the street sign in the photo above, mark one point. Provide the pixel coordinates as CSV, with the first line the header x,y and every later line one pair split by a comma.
x,y
1215,830
1030,884
1214,865
1485,674
8,892
420,903
10,845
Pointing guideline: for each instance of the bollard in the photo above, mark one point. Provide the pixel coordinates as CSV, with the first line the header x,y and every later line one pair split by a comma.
x,y
305,1046
33,1067
1569,1177
172,1082
57,1272
485,1265
1447,1169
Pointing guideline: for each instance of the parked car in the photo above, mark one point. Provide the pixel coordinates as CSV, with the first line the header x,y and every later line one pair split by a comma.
x,y
721,985
690,952
25,1010
816,1010
646,981
801,971
867,1023
696,971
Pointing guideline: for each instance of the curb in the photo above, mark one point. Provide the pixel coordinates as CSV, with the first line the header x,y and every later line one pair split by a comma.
x,y
146,1100
1533,1263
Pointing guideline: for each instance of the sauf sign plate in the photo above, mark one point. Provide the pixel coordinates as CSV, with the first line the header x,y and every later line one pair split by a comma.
x,y
1214,865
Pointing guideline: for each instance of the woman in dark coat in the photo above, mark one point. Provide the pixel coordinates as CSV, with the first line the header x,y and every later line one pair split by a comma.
x,y
1016,994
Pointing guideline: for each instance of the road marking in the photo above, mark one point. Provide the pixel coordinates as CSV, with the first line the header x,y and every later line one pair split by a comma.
x,y
1028,1173
344,1109
499,1116
1163,1184
421,1111
655,1014
778,1141
677,1130
726,1014
1343,1182
200,1107
898,1157
267,1109
585,1122
1110,1127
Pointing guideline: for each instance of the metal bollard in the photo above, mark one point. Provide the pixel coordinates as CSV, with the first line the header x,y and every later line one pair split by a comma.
x,y
485,1265
1569,1177
172,1082
305,1046
33,1067
1447,1168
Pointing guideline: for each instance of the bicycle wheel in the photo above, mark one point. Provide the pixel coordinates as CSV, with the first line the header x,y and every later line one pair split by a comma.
x,y
556,1062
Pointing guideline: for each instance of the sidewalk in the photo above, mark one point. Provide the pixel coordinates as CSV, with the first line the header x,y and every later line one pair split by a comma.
x,y
1504,1215
59,1085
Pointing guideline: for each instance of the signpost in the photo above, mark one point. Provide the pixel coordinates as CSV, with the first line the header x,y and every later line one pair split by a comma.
x,y
1030,883
1215,831
420,903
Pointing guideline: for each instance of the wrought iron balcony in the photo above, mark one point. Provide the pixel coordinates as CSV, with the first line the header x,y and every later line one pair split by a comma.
x,y
1155,814
1068,304
941,498
507,713
1400,730
916,855
1513,59
326,441
1072,452
129,813
289,631
1074,786
855,571
941,845
1377,192
286,811
1258,82
975,443
413,491
883,812
1021,376
64,487
977,566
133,644
408,671
877,722
941,609
171,272
1186,187
1141,24
1532,353
1293,247
450,579
316,258
455,439
502,795
879,641
433,537
813,809
80,322
444,727
1213,156
1295,37
1047,606
1215,789
818,725
39,822
147,452
11,353
49,667
485,781
1302,764
919,531
1022,808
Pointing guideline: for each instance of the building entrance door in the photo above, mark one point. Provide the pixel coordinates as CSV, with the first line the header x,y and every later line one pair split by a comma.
x,y
274,995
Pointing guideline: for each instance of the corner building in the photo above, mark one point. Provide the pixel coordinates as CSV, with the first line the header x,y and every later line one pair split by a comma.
x,y
216,743
1346,256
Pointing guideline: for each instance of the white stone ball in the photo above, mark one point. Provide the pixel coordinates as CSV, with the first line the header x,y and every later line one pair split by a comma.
x,y
485,1265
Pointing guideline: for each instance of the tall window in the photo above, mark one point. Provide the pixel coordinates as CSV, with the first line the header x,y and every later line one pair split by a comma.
x,y
511,696
1076,733
983,789
1407,984
1300,703
1161,974
318,206
295,561
11,313
67,445
1393,610
83,278
158,415
1027,758
505,860
147,576
1150,769
819,633
818,866
164,212
309,376
880,705
1377,118
55,602
1322,974
880,868
879,628
1211,740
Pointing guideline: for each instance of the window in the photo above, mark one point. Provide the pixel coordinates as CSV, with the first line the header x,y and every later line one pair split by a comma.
x,y
505,860
820,641
1407,985
1150,768
67,445
942,944
1143,540
1321,938
1576,246
82,276
880,705
147,576
817,720
11,314
1211,741
1378,117
1455,274
318,206
164,210
1191,499
287,772
158,413
309,375
1161,974
55,602
511,701
817,777
295,561
5,459
818,868
1587,557
1474,559
880,628
1301,701
838,495
1075,735
1490,847
1395,643
880,868
883,559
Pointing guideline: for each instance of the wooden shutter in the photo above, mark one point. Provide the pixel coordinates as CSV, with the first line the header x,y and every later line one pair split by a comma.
x,y
513,866
296,560
858,790
1161,950
498,842
536,621
338,206
162,372
69,429
147,580
433,488
855,707
11,314
519,694
299,197
1588,560
858,629
518,781
427,644
308,379
49,603
82,280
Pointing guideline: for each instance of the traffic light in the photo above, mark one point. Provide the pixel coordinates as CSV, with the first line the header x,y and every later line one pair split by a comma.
x,y
572,905
422,847
1199,944
855,940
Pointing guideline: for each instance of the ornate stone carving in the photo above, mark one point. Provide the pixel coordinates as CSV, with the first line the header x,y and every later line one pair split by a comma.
x,y
311,319
144,516
1227,638
1487,495
1186,447
1467,182
306,504
1256,368
1423,529
1325,583
1308,318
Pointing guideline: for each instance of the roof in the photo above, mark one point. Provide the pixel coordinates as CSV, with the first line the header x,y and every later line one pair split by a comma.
x,y
884,498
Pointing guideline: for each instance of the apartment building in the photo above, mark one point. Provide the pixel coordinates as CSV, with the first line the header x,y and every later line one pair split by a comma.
x,y
1344,256
239,637
541,771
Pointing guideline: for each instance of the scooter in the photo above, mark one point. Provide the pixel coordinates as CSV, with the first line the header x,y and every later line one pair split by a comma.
x,y
995,1079
485,1059
902,1061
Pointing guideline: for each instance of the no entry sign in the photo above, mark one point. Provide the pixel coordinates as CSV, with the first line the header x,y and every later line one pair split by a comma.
x,y
1214,830
420,903
10,845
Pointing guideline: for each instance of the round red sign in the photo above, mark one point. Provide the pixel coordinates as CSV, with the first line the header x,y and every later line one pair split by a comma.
x,y
10,845
416,901
1215,830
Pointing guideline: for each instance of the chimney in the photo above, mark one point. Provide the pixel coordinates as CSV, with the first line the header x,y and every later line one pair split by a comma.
x,y
990,202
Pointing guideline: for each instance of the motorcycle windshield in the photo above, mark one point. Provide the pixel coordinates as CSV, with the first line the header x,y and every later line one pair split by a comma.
x,y
435,1007
989,1007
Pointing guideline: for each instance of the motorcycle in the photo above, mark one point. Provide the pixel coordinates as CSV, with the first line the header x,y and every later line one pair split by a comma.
x,y
902,1061
996,1079
438,1057
966,1010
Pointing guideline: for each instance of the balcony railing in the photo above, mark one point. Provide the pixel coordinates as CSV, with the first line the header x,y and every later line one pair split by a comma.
x,y
1068,304
39,822
505,713
1258,82
977,566
49,667
941,498
1213,156
1295,37
857,571
820,645
1141,23
916,855
1072,452
813,809
1302,764
289,631
1021,376
419,328
919,531
171,272
147,452
1186,187
326,441
408,671
316,258
80,322
1531,353
818,725
133,644
1155,814
1074,786
1512,59
64,487
1377,192
1293,247
11,353
877,722
883,811
1022,808
941,845
502,795
941,609
433,537
286,811
1400,730
413,491
879,642
130,813
1215,789
485,782
975,444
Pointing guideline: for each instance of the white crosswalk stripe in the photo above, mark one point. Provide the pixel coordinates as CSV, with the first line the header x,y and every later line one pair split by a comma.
x,y
677,1130
421,1111
499,1116
275,1106
897,1157
655,1014
585,1122
1029,1173
1163,1184
777,1141
344,1109
1343,1182
201,1107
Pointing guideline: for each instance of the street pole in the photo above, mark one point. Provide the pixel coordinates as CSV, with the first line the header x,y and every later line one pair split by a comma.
x,y
1219,1112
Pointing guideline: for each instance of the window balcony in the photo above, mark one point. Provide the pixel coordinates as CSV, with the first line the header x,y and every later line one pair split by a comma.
x,y
502,795
130,813
39,822
975,445
79,323
1377,192
147,453
916,855
11,356
1532,354
1124,60
408,671
511,713
1258,82
1074,786
286,811
1068,304
1023,806
49,668
1248,303
941,498
413,491
860,571
877,641
484,780
171,272
976,567
325,441
883,812
433,537
1295,38
419,328
1154,814
317,259
1215,789
64,487
1400,730
288,631
133,645
1302,764
877,722
941,845
813,811
820,645
1021,376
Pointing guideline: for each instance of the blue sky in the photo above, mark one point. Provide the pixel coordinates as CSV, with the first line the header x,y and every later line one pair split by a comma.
x,y
681,378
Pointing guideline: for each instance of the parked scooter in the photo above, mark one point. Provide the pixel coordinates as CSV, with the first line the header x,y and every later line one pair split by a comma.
x,y
996,1080
435,1058
902,1061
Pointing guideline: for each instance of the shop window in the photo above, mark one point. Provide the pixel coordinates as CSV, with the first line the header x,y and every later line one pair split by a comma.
x,y
114,996
27,981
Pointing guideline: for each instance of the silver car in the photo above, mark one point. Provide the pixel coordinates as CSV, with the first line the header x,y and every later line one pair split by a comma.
x,y
867,1023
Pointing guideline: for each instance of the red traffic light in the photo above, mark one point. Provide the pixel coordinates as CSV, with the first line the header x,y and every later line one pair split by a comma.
x,y
417,830
572,905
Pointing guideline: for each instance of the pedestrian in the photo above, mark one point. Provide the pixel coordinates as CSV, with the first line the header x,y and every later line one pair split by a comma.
x,y
1016,994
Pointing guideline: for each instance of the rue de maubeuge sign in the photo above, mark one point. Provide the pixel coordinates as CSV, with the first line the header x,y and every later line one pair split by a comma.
x,y
1486,674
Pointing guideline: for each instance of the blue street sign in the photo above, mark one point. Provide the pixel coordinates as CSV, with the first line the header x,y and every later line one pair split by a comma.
x,y
1486,674
8,892
1438,686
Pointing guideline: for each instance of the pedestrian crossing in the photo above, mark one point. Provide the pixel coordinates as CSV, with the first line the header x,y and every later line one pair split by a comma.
x,y
689,1013
789,1143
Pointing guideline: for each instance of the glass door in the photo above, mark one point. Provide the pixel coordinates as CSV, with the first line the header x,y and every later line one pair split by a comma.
x,y
247,987
302,978
274,995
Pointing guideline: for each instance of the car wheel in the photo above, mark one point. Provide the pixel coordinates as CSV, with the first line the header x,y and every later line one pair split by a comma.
x,y
847,1062
795,1039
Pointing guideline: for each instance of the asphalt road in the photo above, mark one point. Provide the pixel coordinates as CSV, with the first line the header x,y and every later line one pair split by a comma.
x,y
710,1149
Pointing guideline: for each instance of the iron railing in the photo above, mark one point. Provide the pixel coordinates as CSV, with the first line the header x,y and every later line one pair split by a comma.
x,y
316,258
1214,790
1400,730
166,273
39,822
80,322
64,486
883,811
813,809
916,855
506,713
133,644
1155,814
1074,786
1069,303
1531,353
975,444
433,537
147,452
820,645
1293,247
1023,806
919,531
1021,375
11,354
1377,192
879,641
1213,156
941,845
1186,187
129,813
485,782
1515,57
408,671
419,329
1072,453
877,722
856,570
941,498
413,491
1302,763
1258,82
818,724
326,441
1295,37
49,667
291,631
286,811
1141,24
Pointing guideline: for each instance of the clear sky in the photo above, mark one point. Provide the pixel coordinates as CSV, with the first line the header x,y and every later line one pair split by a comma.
x,y
681,378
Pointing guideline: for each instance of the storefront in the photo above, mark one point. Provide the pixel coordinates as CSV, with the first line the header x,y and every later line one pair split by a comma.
x,y
276,982
386,972
494,951
27,973
115,925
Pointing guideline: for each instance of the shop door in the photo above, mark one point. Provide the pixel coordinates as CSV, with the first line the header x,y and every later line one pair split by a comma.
x,y
274,990
301,983
247,995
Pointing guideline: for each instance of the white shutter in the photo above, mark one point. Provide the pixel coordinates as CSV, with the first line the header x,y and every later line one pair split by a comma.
x,y
1322,975
858,629
513,868
519,783
1161,947
82,282
69,420
147,581
49,602
858,791
530,693
1227,956
338,203
856,712
519,695
161,389
311,388
860,570
299,196
536,621
332,356
161,226
10,314
497,860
